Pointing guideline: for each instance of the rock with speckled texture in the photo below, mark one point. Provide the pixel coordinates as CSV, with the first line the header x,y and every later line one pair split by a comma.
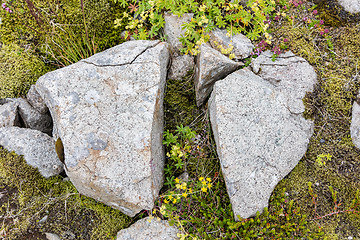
x,y
37,147
108,112
9,114
259,129
145,229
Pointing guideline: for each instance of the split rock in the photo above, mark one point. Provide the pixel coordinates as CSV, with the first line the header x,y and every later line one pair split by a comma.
x,y
259,141
211,66
242,45
173,29
145,230
108,112
37,147
9,114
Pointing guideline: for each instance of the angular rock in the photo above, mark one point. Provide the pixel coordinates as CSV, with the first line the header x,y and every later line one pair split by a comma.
x,y
291,75
211,66
32,118
9,114
258,139
145,230
242,45
351,6
355,123
36,101
108,112
173,29
180,66
37,147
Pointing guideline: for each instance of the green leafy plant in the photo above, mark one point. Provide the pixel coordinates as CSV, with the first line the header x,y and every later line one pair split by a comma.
x,y
145,19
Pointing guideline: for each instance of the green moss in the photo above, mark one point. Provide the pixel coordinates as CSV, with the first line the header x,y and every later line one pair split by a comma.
x,y
329,105
35,197
18,71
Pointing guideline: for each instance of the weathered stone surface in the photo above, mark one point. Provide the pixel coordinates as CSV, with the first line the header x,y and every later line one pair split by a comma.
x,y
9,114
108,112
145,230
211,66
242,45
180,66
355,123
291,75
37,147
173,29
259,140
32,118
36,101
52,236
352,6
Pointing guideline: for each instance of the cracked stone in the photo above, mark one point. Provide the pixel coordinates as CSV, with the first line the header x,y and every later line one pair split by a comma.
x,y
211,66
37,147
258,139
292,75
108,112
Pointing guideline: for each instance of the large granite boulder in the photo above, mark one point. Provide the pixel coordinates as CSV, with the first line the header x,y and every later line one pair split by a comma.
x,y
37,147
211,66
146,229
351,6
260,133
108,112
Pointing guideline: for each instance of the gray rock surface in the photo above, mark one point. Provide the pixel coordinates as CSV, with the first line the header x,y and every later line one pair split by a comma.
x,y
355,123
52,236
145,230
352,6
173,29
37,147
242,45
258,139
291,75
9,114
180,66
32,118
108,112
36,101
211,66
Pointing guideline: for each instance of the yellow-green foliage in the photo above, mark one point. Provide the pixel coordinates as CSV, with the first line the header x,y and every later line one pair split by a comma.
x,y
18,71
35,197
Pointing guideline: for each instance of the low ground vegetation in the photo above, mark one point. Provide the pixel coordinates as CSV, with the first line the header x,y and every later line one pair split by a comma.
x,y
319,199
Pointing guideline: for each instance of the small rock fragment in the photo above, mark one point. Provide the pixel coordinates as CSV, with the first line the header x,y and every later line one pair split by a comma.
x,y
37,147
173,29
180,66
242,46
355,123
146,229
34,119
9,115
211,66
36,101
52,236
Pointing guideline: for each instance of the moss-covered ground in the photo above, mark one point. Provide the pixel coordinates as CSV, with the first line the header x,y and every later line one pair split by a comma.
x,y
321,193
